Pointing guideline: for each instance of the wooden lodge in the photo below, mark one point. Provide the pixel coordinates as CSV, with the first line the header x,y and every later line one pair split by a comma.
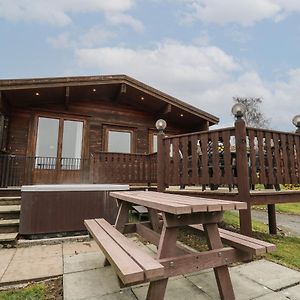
x,y
55,130
101,129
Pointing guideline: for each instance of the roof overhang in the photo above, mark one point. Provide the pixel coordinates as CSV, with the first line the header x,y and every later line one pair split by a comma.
x,y
7,85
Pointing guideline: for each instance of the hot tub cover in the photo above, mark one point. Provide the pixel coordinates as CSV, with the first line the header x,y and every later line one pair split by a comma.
x,y
74,187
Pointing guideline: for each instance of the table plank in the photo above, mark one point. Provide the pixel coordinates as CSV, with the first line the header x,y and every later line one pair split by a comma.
x,y
179,203
157,204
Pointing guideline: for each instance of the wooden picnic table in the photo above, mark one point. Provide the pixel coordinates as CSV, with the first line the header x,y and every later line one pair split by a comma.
x,y
172,259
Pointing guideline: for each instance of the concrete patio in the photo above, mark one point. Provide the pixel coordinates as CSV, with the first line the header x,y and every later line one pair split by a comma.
x,y
84,277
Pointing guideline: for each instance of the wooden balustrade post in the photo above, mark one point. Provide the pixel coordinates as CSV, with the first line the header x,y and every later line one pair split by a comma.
x,y
243,176
91,166
160,162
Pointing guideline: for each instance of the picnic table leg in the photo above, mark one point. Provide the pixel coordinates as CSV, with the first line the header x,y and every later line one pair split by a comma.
x,y
221,273
166,248
154,219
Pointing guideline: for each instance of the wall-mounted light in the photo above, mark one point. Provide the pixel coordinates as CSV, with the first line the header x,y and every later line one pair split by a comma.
x,y
37,93
142,98
181,115
94,90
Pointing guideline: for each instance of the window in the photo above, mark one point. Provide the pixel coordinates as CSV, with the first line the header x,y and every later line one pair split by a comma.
x,y
57,143
119,141
46,145
71,145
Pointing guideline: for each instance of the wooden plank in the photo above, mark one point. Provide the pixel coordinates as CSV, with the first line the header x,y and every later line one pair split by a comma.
x,y
134,197
196,262
215,158
184,161
127,269
284,147
278,161
152,268
291,155
297,157
261,155
253,157
195,159
227,158
176,162
204,172
198,204
242,242
167,161
269,154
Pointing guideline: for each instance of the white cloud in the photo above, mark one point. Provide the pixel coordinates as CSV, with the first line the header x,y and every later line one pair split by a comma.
x,y
243,12
60,12
204,76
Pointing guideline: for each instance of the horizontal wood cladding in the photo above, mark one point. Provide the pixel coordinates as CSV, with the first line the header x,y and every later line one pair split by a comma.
x,y
98,117
18,130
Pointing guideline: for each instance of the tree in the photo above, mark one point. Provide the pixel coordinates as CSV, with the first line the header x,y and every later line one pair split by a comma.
x,y
253,116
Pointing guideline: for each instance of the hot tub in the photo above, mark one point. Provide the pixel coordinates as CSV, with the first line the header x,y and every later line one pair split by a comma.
x,y
58,208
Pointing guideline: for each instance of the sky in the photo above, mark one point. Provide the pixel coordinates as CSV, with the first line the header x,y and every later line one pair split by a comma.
x,y
204,52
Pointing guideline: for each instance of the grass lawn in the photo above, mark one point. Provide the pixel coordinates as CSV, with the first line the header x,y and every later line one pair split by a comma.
x,y
37,291
287,208
288,248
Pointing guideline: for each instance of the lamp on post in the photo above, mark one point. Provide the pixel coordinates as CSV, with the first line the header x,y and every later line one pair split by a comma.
x,y
296,122
238,110
160,126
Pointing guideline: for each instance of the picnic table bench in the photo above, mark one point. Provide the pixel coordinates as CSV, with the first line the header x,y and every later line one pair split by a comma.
x,y
133,265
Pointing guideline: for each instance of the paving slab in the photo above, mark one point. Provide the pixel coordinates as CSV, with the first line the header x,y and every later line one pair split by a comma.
x,y
32,268
38,252
179,288
292,293
6,256
272,296
90,284
244,288
83,261
269,274
122,295
80,247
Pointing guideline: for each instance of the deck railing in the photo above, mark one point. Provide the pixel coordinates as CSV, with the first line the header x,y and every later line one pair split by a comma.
x,y
18,170
200,158
274,157
124,168
212,158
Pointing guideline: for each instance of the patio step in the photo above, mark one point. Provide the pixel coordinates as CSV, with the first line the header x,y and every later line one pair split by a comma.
x,y
8,237
8,212
10,192
9,226
10,200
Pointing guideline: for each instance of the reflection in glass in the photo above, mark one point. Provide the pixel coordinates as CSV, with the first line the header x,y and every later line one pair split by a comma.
x,y
46,145
71,145
119,141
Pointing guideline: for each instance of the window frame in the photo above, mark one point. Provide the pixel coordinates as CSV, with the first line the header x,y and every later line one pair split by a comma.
x,y
61,119
108,128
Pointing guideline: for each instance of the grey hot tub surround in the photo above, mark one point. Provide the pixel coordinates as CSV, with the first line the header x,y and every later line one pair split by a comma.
x,y
63,207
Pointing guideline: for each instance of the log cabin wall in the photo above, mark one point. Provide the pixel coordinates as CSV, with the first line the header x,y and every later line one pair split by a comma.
x,y
22,126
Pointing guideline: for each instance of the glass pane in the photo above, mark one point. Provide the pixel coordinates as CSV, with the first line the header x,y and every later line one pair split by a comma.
x,y
119,141
154,141
71,145
46,145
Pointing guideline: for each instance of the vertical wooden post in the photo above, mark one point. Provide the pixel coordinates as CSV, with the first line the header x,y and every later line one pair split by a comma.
x,y
92,167
160,162
243,176
272,219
